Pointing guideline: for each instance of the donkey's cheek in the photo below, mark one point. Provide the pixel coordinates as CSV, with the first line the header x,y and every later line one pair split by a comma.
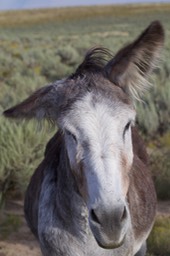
x,y
125,170
83,189
125,184
81,181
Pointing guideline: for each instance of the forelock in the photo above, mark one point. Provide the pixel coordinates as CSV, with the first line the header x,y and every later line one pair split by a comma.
x,y
94,61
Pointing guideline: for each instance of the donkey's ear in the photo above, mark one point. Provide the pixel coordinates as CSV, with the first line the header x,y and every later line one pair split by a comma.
x,y
131,66
43,103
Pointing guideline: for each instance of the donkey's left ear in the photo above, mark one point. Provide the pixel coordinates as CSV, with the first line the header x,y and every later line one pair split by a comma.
x,y
131,66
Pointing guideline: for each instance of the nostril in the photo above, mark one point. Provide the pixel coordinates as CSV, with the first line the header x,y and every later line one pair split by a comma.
x,y
124,214
94,217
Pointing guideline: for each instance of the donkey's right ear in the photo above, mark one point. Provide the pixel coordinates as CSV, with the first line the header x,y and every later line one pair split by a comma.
x,y
44,103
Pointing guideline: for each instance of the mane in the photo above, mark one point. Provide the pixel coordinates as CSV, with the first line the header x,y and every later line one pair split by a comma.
x,y
94,61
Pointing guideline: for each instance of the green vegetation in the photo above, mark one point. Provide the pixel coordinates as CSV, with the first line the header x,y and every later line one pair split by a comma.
x,y
158,242
154,112
160,165
8,224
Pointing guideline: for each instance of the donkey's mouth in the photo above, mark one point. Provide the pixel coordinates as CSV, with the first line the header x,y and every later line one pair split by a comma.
x,y
106,241
110,245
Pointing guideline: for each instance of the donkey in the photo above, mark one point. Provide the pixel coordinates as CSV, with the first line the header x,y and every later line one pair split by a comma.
x,y
93,193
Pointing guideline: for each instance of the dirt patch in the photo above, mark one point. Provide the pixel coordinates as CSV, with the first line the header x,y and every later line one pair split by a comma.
x,y
15,237
9,248
20,242
163,208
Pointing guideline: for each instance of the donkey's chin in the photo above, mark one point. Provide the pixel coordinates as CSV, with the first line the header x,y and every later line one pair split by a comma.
x,y
107,241
110,245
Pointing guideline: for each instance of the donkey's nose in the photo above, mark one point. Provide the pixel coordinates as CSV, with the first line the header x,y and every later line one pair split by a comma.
x,y
109,224
112,217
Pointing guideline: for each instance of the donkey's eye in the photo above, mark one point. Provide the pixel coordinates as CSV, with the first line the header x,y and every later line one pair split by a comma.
x,y
72,136
128,125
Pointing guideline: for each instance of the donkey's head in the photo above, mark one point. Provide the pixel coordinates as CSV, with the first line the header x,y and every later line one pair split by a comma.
x,y
93,108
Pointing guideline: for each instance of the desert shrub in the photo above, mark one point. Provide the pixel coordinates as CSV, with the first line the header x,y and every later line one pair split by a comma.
x,y
18,87
154,112
154,122
33,55
21,147
160,165
68,55
9,224
54,69
158,242
81,45
8,66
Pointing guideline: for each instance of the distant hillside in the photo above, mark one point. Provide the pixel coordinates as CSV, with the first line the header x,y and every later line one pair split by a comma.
x,y
41,16
31,4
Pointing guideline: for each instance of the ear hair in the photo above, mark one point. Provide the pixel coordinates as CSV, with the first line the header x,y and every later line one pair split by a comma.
x,y
132,65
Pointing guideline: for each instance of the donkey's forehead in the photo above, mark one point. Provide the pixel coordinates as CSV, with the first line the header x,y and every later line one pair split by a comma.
x,y
95,106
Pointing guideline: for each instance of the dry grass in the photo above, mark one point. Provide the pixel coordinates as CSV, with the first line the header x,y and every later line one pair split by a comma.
x,y
40,16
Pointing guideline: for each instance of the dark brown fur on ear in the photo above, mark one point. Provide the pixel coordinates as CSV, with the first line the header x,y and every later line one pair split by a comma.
x,y
28,107
47,102
39,105
132,64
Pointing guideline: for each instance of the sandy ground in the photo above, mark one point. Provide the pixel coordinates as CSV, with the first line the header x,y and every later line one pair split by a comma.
x,y
22,243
